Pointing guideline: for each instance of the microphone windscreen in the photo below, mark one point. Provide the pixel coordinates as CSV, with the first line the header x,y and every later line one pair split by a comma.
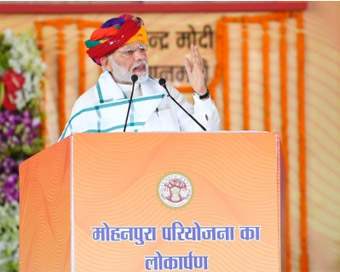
x,y
161,82
134,78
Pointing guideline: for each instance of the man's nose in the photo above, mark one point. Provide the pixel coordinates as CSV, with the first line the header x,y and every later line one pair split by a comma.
x,y
140,54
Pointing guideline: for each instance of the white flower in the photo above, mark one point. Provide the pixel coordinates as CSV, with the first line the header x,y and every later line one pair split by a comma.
x,y
25,58
14,53
20,100
15,65
8,36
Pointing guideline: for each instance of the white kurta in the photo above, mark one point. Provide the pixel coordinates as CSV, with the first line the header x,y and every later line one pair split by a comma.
x,y
103,108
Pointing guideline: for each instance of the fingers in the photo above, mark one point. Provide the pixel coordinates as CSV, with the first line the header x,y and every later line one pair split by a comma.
x,y
188,65
198,59
196,66
193,49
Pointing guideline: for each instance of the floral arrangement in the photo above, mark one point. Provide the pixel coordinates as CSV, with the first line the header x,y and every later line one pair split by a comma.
x,y
21,76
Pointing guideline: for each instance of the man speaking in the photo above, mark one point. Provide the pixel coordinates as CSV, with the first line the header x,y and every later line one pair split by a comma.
x,y
127,98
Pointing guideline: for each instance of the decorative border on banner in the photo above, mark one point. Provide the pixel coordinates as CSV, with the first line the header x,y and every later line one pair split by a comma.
x,y
54,7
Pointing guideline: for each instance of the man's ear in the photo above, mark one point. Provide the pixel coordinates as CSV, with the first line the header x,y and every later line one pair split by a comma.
x,y
105,62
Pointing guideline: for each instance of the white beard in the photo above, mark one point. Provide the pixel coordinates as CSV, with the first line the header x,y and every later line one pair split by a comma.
x,y
123,75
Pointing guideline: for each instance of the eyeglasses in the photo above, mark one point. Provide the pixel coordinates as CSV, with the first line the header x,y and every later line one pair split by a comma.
x,y
128,51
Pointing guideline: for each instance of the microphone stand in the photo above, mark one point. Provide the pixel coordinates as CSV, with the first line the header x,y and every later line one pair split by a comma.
x,y
134,78
162,83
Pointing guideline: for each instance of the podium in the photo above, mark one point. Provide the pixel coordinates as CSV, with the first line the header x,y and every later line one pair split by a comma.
x,y
154,202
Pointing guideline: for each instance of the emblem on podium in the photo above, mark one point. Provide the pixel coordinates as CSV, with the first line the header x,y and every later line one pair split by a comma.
x,y
175,190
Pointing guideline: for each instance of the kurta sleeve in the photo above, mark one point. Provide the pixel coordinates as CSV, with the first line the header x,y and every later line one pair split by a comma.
x,y
204,111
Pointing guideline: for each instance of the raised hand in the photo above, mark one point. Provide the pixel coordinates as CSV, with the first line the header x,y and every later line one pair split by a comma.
x,y
196,72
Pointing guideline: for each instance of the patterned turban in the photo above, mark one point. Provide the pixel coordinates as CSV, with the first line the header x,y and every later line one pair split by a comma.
x,y
113,34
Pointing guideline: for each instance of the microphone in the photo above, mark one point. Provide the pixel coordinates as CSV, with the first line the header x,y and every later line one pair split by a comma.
x,y
162,83
134,78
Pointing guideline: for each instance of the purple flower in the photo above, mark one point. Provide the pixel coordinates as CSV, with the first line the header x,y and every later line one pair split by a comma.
x,y
9,190
18,134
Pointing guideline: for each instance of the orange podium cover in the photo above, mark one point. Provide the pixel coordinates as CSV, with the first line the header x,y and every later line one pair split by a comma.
x,y
154,202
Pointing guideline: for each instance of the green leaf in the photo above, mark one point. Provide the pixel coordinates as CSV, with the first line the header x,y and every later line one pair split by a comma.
x,y
2,92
